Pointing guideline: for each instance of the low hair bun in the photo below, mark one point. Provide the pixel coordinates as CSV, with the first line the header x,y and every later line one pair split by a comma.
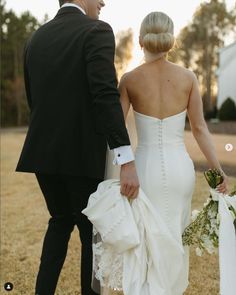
x,y
160,42
157,32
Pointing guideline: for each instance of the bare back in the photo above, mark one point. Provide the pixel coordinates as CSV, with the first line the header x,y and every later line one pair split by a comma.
x,y
159,89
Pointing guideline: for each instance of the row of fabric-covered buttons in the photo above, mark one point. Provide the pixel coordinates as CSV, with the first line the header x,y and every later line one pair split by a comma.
x,y
163,169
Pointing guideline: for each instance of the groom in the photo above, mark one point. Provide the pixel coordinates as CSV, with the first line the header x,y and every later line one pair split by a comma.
x,y
72,94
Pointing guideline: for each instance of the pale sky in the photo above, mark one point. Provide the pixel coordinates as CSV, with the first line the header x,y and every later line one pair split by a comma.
x,y
121,14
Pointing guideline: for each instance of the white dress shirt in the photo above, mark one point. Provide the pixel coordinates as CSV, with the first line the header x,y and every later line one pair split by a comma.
x,y
73,5
123,154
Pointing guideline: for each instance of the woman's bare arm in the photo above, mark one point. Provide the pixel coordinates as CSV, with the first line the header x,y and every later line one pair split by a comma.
x,y
124,97
201,132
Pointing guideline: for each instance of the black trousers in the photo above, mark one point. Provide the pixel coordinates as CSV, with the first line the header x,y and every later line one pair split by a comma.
x,y
66,196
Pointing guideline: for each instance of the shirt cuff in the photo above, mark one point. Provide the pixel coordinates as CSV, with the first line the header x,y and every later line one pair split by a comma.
x,y
123,154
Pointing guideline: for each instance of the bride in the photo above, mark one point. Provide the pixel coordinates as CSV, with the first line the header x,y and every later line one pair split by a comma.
x,y
162,94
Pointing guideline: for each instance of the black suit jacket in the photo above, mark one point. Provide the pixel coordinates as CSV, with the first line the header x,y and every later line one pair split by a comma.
x,y
72,93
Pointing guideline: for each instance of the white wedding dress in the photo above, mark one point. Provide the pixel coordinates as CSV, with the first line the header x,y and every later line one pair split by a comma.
x,y
165,170
167,177
166,174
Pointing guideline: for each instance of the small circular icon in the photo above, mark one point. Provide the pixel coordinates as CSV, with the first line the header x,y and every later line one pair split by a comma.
x,y
229,147
8,286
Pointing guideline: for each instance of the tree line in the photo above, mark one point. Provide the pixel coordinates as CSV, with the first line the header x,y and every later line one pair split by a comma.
x,y
14,33
198,46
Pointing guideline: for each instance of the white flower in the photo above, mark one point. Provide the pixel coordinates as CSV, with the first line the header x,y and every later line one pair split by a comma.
x,y
198,251
205,238
218,218
215,194
213,223
211,213
208,244
195,214
212,230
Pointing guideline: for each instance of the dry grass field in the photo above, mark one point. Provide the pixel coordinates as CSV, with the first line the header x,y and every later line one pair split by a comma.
x,y
24,220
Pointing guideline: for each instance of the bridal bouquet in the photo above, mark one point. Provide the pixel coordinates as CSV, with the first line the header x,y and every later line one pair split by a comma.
x,y
203,231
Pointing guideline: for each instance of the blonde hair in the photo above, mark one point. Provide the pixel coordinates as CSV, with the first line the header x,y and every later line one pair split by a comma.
x,y
156,32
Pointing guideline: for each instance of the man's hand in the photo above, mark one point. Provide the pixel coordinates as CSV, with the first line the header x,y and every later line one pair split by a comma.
x,y
129,180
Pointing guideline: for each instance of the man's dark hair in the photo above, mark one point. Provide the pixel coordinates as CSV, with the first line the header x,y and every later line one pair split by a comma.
x,y
61,2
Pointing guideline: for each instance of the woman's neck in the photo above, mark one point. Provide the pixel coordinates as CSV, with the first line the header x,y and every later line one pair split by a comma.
x,y
150,57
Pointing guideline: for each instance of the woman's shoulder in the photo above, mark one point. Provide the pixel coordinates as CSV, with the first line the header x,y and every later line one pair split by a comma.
x,y
132,75
128,77
178,71
182,70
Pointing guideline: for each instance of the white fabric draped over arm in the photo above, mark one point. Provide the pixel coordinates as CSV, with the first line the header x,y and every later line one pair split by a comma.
x,y
227,244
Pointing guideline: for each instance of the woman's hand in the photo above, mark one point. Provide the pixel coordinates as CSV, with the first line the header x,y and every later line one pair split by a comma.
x,y
223,187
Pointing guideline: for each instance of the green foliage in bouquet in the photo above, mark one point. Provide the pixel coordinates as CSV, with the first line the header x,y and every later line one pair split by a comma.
x,y
213,177
199,231
203,230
